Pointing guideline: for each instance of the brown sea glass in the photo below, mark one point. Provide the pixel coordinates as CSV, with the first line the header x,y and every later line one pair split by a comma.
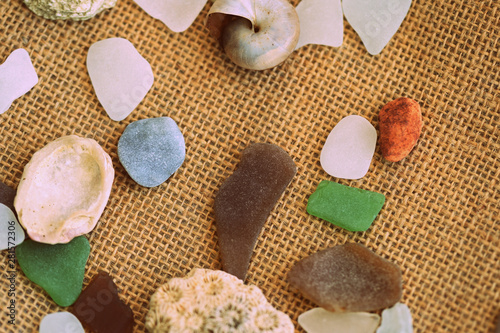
x,y
348,277
100,309
7,196
246,199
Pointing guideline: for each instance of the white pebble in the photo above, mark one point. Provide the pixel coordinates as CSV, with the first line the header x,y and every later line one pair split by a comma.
x,y
375,21
396,320
12,234
319,320
120,75
17,77
61,322
349,149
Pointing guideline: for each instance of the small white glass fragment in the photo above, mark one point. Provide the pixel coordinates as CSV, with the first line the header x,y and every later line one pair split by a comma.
x,y
375,21
321,22
11,232
17,77
396,319
120,75
60,322
177,15
349,149
319,320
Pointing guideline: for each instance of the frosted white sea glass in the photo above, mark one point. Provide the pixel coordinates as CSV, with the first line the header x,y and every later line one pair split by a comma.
x,y
349,149
319,320
396,319
177,15
321,22
63,322
11,232
17,77
375,21
120,75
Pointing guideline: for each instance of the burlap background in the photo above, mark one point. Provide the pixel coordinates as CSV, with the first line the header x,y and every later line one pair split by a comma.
x,y
440,222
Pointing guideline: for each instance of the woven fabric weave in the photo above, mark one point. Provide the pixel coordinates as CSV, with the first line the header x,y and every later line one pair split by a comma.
x,y
440,222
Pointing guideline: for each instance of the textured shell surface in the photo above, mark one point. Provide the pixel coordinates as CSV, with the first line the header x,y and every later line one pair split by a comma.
x,y
255,34
64,189
213,301
69,9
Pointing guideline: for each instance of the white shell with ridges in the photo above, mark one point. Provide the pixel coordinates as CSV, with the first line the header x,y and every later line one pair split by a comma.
x,y
213,301
64,189
69,9
255,34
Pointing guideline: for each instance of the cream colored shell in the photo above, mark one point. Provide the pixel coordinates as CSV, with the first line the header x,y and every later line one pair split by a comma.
x,y
213,301
255,34
69,9
64,189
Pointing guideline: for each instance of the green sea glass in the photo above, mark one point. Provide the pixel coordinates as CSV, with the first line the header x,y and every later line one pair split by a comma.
x,y
350,208
59,269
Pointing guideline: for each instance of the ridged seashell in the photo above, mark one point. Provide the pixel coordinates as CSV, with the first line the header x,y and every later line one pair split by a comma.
x,y
255,34
77,10
213,301
64,189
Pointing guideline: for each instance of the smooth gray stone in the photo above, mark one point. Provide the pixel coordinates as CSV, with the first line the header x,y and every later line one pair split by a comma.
x,y
151,150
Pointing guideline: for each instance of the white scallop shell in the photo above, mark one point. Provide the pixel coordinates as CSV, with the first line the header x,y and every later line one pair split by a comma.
x,y
64,189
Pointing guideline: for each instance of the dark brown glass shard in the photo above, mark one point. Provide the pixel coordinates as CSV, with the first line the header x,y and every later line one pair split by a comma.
x,y
7,196
246,199
100,309
348,277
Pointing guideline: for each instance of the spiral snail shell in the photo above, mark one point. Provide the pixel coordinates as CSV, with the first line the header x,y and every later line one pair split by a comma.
x,y
255,34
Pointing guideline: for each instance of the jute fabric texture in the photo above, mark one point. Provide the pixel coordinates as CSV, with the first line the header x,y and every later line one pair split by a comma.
x,y
440,222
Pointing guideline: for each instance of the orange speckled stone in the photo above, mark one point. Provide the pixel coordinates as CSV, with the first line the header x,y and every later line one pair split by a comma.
x,y
400,123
